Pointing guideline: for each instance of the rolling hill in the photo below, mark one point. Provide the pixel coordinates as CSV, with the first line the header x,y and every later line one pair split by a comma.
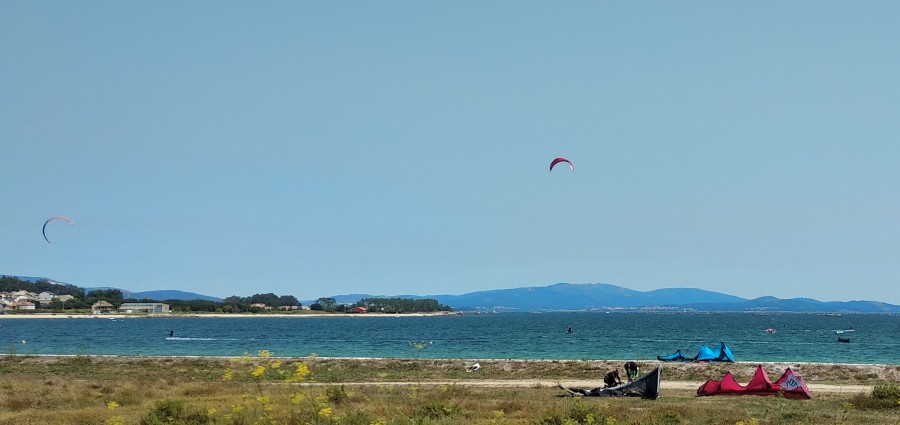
x,y
586,297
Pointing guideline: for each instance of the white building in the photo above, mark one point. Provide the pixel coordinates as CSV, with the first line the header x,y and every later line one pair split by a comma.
x,y
150,308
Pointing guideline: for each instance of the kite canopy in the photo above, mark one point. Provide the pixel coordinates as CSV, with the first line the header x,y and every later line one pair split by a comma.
x,y
58,217
674,357
706,354
722,354
646,387
561,159
790,385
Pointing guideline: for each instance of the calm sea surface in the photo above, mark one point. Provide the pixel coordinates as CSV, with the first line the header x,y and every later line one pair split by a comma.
x,y
798,337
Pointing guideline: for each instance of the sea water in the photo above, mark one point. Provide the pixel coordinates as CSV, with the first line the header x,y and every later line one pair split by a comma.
x,y
874,338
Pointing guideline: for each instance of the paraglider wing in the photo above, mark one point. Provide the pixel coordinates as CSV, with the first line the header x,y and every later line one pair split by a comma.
x,y
561,159
44,230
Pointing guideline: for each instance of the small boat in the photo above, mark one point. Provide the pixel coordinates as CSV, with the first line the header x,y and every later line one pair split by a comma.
x,y
840,331
843,339
770,330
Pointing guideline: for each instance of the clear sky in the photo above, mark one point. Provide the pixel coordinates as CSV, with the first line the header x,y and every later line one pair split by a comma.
x,y
316,148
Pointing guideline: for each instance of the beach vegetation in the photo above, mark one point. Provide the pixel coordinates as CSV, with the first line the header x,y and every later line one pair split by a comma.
x,y
262,388
884,396
174,412
402,305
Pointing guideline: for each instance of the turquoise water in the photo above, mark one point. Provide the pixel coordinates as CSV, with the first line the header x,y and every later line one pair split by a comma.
x,y
799,337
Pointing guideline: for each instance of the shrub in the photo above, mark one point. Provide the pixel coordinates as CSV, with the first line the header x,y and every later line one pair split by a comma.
x,y
337,394
884,396
577,414
886,391
174,412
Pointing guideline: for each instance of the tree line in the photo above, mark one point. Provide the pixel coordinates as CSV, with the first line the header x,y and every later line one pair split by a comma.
x,y
83,300
382,305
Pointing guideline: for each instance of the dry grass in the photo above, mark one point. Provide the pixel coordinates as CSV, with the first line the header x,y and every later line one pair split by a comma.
x,y
80,390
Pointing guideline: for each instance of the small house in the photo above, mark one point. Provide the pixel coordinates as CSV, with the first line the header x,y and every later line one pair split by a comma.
x,y
22,305
101,307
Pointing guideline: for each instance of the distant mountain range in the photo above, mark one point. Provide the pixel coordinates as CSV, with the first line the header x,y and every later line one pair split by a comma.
x,y
160,295
586,297
170,294
606,297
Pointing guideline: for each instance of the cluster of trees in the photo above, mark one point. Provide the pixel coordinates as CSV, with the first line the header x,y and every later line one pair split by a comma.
x,y
402,305
383,305
12,284
81,299
234,304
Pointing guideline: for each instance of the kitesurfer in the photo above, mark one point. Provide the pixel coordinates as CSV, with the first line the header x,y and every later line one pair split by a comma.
x,y
171,333
612,379
631,370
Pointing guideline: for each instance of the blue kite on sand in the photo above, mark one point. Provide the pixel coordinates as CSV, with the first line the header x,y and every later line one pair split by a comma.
x,y
706,354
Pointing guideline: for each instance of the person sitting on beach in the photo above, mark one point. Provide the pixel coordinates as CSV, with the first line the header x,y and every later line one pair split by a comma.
x,y
631,371
612,379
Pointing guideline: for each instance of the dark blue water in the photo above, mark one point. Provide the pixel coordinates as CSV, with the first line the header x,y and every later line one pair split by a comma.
x,y
596,336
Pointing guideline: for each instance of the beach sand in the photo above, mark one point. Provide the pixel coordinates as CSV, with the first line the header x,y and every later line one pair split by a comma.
x,y
830,378
820,377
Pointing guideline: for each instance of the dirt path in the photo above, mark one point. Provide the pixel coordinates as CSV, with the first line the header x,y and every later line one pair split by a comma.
x,y
664,385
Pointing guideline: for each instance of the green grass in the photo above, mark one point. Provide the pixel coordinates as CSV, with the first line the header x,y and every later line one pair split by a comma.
x,y
262,390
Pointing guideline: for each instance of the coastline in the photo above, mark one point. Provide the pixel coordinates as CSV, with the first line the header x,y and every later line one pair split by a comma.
x,y
823,377
210,315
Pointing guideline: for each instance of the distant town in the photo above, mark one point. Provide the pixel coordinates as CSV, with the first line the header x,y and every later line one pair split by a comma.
x,y
23,297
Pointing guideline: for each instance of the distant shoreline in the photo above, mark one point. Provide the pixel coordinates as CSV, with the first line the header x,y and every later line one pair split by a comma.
x,y
210,315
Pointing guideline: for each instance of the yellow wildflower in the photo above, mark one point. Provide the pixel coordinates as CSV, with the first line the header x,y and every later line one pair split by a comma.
x,y
112,405
275,365
115,420
265,354
259,371
211,412
297,398
325,412
300,372
228,375
237,408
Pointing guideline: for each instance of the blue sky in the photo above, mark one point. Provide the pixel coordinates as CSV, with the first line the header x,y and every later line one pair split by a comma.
x,y
390,148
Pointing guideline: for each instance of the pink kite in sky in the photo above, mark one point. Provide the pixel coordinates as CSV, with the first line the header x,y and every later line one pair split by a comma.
x,y
561,159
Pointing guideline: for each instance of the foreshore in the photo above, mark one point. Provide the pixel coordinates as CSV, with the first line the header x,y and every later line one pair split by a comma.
x,y
838,377
43,389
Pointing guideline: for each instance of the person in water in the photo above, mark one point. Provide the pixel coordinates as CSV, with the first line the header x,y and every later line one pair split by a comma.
x,y
171,333
569,330
612,379
631,371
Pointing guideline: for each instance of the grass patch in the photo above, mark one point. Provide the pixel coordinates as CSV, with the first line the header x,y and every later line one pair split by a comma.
x,y
261,390
884,396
